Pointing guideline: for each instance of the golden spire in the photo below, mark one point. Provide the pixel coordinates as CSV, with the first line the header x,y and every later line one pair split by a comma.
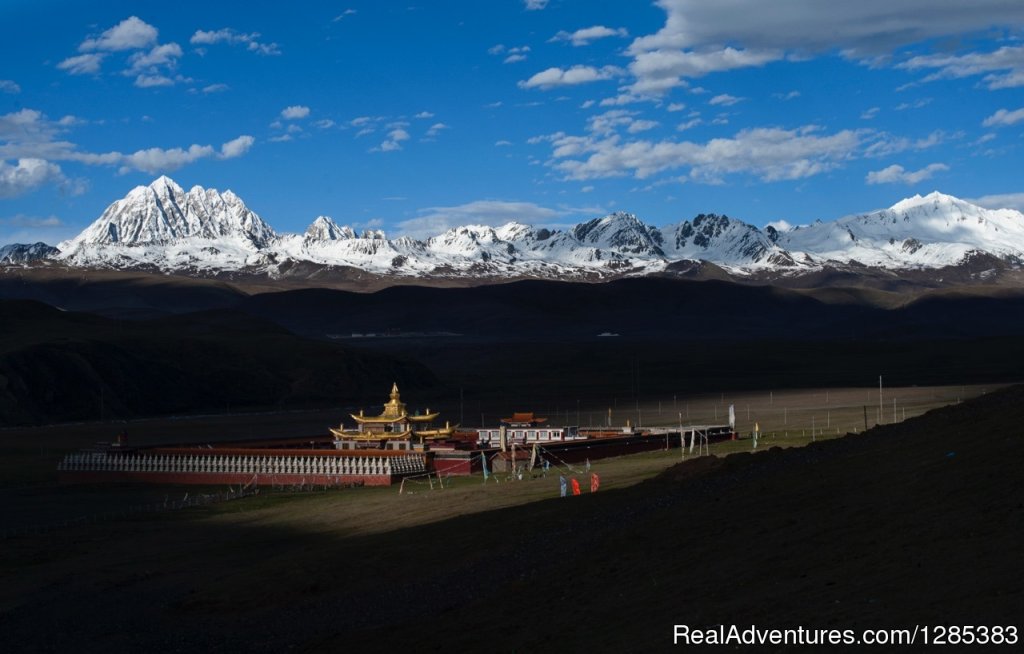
x,y
394,391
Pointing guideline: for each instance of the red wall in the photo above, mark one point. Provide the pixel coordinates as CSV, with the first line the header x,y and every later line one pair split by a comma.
x,y
218,478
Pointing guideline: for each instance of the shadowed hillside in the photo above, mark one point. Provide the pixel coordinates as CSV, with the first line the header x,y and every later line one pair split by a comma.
x,y
526,343
57,366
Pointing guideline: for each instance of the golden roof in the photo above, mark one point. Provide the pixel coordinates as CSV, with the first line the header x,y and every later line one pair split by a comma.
x,y
394,411
344,434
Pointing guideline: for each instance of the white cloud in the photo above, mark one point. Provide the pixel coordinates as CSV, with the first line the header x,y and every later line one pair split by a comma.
x,y
780,225
28,134
393,142
295,112
658,71
1004,118
344,14
770,153
324,123
436,129
158,160
150,81
480,212
1003,68
676,106
85,64
885,145
610,121
701,37
215,88
152,64
868,114
21,220
228,35
690,124
586,35
641,126
869,27
724,99
792,95
553,77
160,55
502,143
130,34
27,175
512,54
916,104
535,5
9,86
1000,201
424,114
623,99
897,174
236,147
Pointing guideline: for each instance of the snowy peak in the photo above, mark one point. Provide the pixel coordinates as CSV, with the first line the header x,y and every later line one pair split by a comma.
x,y
23,253
720,239
933,201
930,231
324,229
163,213
619,232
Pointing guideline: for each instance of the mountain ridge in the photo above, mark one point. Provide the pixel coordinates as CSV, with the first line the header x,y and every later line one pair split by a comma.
x,y
203,231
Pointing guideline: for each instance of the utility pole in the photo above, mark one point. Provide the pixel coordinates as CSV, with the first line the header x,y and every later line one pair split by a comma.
x,y
682,441
879,399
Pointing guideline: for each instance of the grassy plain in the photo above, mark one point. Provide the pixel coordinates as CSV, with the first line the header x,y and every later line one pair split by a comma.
x,y
910,523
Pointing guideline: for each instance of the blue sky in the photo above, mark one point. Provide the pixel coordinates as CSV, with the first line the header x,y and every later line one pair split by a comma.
x,y
412,118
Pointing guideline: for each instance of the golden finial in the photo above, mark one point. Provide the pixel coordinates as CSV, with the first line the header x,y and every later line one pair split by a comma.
x,y
394,391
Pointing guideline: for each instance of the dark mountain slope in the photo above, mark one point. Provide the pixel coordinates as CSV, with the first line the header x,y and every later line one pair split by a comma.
x,y
57,366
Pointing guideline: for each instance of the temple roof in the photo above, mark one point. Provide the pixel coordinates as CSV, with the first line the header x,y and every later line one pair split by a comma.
x,y
394,411
524,417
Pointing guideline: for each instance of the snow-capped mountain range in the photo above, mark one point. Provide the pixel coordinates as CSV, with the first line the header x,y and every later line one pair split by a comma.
x,y
205,231
22,253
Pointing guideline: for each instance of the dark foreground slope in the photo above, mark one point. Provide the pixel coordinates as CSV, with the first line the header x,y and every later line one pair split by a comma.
x,y
912,524
58,366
